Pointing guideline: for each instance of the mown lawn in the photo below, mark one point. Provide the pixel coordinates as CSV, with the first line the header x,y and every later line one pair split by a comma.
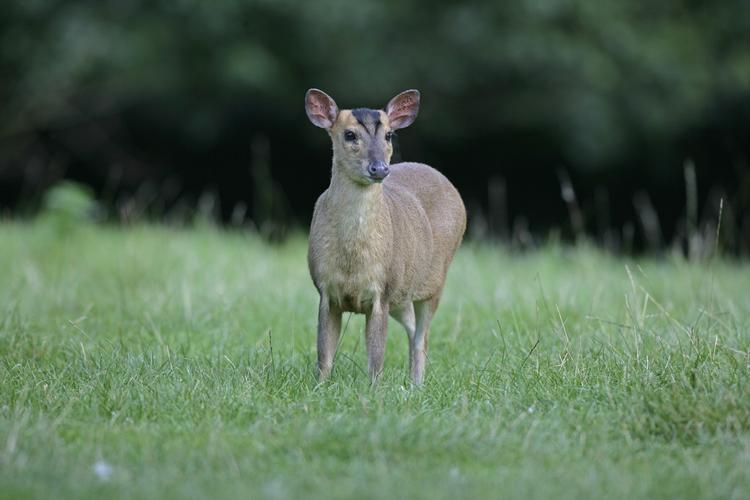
x,y
149,362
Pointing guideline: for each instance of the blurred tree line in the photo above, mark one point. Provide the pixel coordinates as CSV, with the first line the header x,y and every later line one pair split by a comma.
x,y
628,121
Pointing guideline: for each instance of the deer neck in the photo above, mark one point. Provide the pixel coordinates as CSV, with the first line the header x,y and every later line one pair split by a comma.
x,y
360,211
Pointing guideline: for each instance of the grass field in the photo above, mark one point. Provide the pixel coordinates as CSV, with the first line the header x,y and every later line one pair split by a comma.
x,y
165,363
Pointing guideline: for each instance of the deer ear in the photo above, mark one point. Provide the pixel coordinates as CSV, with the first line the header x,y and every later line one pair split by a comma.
x,y
321,108
402,110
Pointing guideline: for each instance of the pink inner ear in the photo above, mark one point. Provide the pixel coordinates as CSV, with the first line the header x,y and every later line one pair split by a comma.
x,y
402,110
316,108
404,106
321,110
400,116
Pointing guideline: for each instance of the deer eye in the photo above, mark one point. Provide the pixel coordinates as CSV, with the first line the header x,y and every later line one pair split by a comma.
x,y
350,136
388,136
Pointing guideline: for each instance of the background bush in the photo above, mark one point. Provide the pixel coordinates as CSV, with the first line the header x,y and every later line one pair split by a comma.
x,y
154,104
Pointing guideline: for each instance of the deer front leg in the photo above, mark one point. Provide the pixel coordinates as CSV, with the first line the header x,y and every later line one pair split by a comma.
x,y
329,330
376,331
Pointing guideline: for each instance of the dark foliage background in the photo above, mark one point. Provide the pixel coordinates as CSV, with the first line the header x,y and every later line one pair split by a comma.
x,y
628,121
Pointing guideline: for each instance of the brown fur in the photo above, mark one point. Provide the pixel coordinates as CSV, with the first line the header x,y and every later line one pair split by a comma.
x,y
380,248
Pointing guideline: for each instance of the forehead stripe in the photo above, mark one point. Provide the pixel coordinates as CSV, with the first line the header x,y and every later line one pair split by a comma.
x,y
366,116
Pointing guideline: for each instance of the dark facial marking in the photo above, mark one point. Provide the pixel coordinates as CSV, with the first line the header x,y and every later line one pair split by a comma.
x,y
368,118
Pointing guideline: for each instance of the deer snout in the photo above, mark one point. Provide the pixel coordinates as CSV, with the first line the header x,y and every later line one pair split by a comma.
x,y
378,170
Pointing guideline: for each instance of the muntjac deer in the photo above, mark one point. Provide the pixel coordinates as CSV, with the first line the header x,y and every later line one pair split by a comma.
x,y
382,236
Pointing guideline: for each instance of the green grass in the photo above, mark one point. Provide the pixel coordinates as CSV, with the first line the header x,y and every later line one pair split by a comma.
x,y
165,363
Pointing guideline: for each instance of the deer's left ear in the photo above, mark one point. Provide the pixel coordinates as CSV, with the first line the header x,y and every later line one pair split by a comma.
x,y
402,110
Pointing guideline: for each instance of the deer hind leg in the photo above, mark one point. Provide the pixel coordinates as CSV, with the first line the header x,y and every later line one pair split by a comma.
x,y
424,311
405,315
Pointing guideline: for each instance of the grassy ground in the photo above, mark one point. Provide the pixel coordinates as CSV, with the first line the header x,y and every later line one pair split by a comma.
x,y
152,362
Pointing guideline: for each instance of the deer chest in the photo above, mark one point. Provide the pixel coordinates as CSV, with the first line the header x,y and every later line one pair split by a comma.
x,y
352,273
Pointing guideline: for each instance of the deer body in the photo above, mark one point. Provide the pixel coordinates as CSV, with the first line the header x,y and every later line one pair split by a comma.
x,y
380,246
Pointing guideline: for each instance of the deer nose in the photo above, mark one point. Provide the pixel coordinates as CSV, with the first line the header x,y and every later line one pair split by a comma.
x,y
378,170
